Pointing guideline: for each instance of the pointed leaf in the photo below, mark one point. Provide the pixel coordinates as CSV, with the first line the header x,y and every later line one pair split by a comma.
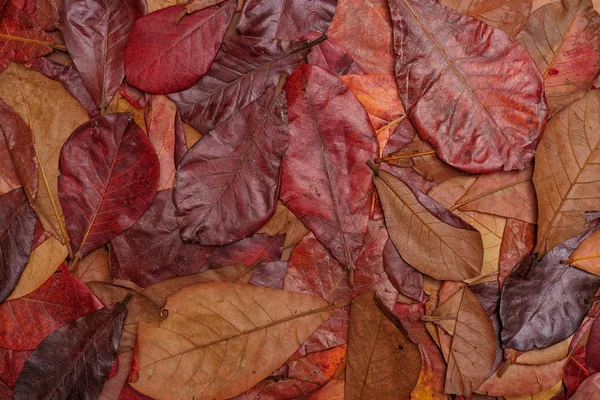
x,y
285,222
161,121
109,172
222,339
331,138
163,57
228,183
445,64
96,33
403,276
564,40
332,57
250,250
11,365
94,267
587,255
518,240
80,372
243,69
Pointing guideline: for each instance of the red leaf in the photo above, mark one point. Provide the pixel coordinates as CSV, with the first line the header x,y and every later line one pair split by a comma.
x,y
325,182
592,353
152,249
5,391
109,172
332,57
163,57
243,69
249,250
11,365
96,34
160,117
468,88
29,319
47,14
17,228
403,276
290,19
129,393
228,183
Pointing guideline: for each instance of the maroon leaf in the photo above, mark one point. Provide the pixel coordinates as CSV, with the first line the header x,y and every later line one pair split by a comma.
x,y
11,365
270,274
109,172
249,250
468,88
325,182
47,14
17,224
129,393
152,249
588,389
333,57
96,34
80,372
592,352
403,276
163,57
5,391
243,69
290,19
228,183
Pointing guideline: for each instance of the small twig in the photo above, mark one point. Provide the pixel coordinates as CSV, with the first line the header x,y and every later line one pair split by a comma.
x,y
392,158
572,260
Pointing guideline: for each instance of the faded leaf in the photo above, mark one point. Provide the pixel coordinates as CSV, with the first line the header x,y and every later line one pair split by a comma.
x,y
587,255
94,267
588,389
518,240
285,222
402,275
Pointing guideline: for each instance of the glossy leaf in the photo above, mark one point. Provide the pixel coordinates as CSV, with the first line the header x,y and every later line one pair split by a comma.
x,y
441,245
565,169
80,372
17,227
221,360
325,180
96,34
549,305
163,57
109,172
403,276
152,250
243,69
228,183
445,58
564,40
288,20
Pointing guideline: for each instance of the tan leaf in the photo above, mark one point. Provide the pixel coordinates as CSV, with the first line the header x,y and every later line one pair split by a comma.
x,y
220,339
551,354
567,166
43,261
543,395
587,255
52,113
191,135
154,5
284,221
382,363
94,267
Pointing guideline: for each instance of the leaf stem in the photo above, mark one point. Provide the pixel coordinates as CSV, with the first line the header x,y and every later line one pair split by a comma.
x,y
374,168
392,158
572,260
59,47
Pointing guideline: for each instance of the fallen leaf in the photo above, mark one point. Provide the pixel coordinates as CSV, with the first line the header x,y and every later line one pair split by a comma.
x,y
47,14
403,276
588,388
518,240
109,172
543,395
176,56
248,251
587,255
5,391
221,359
154,5
564,41
270,274
332,57
96,34
94,267
285,222
445,64
592,349
116,384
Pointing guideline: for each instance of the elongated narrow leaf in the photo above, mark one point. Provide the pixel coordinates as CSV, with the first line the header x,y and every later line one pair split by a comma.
x,y
564,40
96,34
440,245
325,180
288,20
445,65
508,15
80,372
17,227
565,175
163,57
220,339
228,183
152,250
243,69
109,172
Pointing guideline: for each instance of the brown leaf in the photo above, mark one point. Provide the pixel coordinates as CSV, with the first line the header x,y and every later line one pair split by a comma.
x,y
587,255
94,267
285,222
382,362
518,240
220,339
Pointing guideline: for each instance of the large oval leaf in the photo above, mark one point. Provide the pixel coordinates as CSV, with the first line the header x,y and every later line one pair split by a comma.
x,y
109,173
565,175
164,57
564,40
96,33
446,63
325,180
220,339
228,183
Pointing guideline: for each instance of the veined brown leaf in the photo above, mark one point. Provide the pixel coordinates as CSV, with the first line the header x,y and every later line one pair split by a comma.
x,y
587,255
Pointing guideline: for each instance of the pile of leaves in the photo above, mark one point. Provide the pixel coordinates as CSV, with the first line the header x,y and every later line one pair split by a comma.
x,y
299,199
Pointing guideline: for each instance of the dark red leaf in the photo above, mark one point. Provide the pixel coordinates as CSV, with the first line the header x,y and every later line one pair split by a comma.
x,y
96,34
326,182
248,251
29,319
592,352
403,276
244,68
547,307
11,365
270,274
332,56
47,14
5,391
290,19
152,249
575,370
129,393
468,88
80,372
17,224
135,96
109,172
228,182
588,389
163,57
